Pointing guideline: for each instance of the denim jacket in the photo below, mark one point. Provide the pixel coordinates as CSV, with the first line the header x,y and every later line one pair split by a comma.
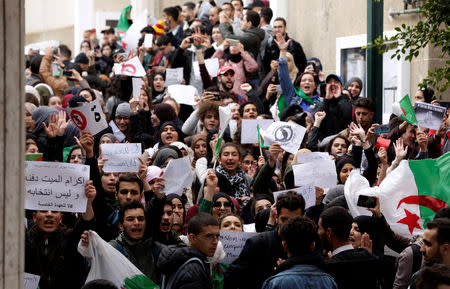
x,y
290,95
301,276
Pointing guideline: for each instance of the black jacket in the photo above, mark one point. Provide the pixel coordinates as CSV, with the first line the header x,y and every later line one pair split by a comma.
x,y
355,268
193,275
251,38
294,48
256,262
55,257
339,115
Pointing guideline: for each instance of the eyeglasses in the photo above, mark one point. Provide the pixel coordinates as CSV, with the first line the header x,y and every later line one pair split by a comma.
x,y
210,237
220,204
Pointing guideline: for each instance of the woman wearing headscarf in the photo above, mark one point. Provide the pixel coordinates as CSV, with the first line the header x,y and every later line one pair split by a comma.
x,y
353,88
40,116
158,89
29,122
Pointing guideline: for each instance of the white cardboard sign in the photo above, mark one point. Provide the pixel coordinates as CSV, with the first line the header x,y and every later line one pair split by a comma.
x,y
233,242
308,193
89,117
122,157
178,176
31,281
212,65
173,76
183,94
249,133
321,173
52,186
303,158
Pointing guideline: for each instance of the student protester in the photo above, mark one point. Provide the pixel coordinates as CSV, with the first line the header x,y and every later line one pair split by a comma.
x,y
260,254
135,240
337,108
334,229
186,267
302,268
303,91
51,248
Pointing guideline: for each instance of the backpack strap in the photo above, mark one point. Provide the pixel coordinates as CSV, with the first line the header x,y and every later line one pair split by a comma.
x,y
113,217
417,258
174,276
121,248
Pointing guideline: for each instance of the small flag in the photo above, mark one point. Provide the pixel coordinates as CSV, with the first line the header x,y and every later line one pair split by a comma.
x,y
405,110
260,140
122,25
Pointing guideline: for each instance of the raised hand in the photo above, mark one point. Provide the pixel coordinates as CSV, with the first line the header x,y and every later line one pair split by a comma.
x,y
61,123
274,150
52,127
319,117
281,42
366,243
87,143
400,150
357,130
382,155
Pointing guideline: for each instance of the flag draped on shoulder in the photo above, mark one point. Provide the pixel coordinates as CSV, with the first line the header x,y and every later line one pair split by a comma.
x,y
409,196
108,263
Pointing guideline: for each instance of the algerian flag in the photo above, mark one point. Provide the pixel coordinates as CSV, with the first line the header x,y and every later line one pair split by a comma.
x,y
404,110
132,67
409,196
260,140
108,263
288,135
131,38
122,25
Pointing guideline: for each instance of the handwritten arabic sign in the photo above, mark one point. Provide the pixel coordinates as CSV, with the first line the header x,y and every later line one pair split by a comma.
x,y
51,186
233,242
122,157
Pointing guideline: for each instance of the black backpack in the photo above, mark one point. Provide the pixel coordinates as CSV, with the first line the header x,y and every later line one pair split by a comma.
x,y
167,283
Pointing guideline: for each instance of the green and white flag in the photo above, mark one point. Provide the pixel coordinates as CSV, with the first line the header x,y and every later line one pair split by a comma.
x,y
409,196
108,263
122,25
405,110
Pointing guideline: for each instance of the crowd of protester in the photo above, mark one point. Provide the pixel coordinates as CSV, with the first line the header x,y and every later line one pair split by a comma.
x,y
264,74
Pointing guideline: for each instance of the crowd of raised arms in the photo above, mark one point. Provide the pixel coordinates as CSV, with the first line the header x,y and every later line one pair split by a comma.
x,y
262,74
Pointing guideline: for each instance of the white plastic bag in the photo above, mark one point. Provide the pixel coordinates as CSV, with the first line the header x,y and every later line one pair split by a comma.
x,y
108,263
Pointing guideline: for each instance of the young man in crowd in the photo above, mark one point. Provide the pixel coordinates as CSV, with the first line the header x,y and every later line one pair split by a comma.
x,y
349,267
302,267
51,247
186,267
260,254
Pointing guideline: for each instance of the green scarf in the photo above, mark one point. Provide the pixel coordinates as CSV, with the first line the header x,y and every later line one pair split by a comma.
x,y
300,93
